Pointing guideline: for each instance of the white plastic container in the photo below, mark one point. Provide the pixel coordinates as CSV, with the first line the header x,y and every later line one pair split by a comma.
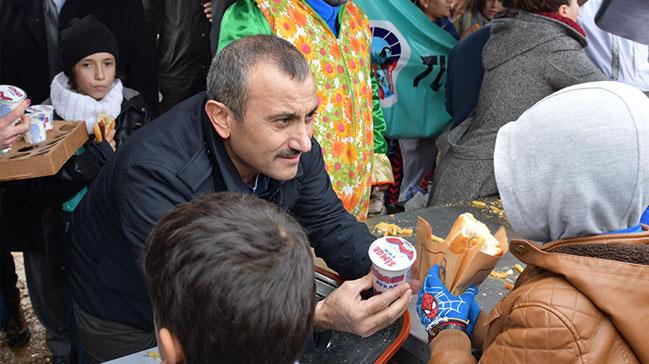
x,y
392,257
48,110
10,98
36,133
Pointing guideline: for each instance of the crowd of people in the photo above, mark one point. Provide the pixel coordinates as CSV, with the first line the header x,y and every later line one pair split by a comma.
x,y
249,132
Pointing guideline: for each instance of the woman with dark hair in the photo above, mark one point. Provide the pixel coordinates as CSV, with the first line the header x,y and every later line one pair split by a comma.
x,y
535,49
477,13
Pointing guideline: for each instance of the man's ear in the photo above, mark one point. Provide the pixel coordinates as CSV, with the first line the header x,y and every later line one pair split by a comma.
x,y
423,3
170,349
221,117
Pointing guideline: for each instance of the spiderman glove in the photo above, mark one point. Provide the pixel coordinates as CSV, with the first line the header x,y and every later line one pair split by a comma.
x,y
438,309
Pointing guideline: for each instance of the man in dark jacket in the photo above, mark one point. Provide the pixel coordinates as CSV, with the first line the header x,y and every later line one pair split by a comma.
x,y
251,133
182,34
24,56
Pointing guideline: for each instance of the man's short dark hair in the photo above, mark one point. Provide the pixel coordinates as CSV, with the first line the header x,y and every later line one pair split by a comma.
x,y
231,276
228,74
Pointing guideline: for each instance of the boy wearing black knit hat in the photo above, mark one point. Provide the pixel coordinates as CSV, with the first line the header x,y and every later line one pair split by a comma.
x,y
86,91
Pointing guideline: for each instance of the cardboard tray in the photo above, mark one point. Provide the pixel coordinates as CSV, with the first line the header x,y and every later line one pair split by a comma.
x,y
46,158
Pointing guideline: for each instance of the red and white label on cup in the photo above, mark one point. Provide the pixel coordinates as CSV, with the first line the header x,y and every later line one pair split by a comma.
x,y
392,257
10,98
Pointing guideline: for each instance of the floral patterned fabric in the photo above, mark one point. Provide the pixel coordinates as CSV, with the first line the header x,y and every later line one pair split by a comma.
x,y
341,67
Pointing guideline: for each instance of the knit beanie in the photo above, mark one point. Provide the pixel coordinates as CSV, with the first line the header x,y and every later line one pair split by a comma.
x,y
85,37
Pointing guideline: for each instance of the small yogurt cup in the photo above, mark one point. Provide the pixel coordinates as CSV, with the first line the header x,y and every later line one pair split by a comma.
x,y
36,133
10,97
48,111
392,257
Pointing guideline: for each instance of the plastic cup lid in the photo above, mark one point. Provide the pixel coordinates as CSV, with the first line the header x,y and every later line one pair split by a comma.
x,y
40,108
11,94
392,253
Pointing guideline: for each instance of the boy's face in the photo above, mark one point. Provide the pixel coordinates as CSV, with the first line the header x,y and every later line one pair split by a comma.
x,y
94,75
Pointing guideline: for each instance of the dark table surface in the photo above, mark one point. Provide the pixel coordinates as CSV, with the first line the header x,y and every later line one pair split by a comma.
x,y
441,220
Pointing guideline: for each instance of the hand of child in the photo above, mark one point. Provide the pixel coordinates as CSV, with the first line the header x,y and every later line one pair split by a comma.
x,y
437,307
471,29
110,139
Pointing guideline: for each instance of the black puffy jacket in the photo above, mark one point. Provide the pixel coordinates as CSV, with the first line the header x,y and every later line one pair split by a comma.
x,y
181,33
176,159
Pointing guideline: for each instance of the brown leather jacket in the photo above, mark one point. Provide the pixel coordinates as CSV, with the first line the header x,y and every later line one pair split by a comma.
x,y
581,300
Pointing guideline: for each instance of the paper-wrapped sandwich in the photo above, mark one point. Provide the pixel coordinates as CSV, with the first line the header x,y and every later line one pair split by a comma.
x,y
467,255
104,125
467,232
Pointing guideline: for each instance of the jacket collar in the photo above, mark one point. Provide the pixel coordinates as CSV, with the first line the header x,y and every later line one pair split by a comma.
x,y
617,288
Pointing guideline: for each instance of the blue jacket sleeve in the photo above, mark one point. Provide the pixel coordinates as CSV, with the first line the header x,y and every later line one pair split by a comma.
x,y
336,236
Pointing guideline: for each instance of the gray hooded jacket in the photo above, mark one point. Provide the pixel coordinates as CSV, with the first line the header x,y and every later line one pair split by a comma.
x,y
527,58
576,163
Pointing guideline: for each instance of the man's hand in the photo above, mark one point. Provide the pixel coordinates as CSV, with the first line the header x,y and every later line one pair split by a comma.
x,y
345,310
207,9
9,132
413,281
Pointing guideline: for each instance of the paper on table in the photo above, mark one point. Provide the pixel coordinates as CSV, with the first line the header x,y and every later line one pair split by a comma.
x,y
463,262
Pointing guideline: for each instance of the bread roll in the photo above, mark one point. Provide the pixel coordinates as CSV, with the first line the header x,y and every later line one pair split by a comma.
x,y
467,232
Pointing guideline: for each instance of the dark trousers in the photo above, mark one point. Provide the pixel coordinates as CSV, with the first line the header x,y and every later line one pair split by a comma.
x,y
8,290
47,286
104,340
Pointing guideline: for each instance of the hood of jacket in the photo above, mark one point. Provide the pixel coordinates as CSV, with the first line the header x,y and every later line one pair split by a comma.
x,y
610,270
522,32
575,163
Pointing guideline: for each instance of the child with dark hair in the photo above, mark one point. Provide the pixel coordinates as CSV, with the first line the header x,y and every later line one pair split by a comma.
x,y
477,13
231,281
89,87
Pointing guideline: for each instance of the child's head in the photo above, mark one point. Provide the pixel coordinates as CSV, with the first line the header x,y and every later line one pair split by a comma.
x,y
231,280
566,8
489,8
435,9
576,163
89,54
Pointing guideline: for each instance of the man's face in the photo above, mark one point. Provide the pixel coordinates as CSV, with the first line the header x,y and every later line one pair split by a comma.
x,y
277,125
